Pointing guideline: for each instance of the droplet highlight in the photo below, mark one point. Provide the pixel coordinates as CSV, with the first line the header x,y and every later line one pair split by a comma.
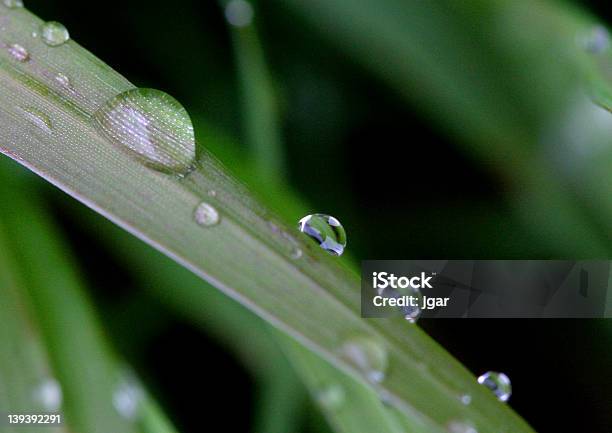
x,y
326,231
368,355
206,215
239,13
13,4
152,125
48,394
498,383
18,53
54,34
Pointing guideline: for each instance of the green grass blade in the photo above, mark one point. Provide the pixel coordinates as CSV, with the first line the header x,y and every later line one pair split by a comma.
x,y
84,364
248,255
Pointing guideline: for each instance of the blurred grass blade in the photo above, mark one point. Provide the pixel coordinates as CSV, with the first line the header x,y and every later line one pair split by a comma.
x,y
24,365
494,74
248,254
85,366
260,114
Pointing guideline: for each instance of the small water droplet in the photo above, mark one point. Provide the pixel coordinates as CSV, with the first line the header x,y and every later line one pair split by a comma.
x,y
54,33
13,4
212,193
331,397
127,396
49,395
326,230
498,383
239,13
18,53
460,427
596,40
153,125
466,399
368,355
63,80
38,118
206,215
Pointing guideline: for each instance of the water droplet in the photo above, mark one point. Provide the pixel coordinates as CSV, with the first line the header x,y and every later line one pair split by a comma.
x,y
466,399
498,383
212,193
13,4
38,118
331,397
239,13
596,40
54,33
460,427
18,53
127,396
326,230
206,215
153,125
368,355
49,395
34,34
63,80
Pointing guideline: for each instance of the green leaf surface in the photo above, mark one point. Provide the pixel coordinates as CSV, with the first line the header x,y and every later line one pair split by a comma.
x,y
249,255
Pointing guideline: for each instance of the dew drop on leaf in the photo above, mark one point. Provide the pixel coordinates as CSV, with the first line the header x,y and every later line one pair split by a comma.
x,y
326,231
498,383
127,396
239,13
466,399
206,215
18,53
460,427
13,4
368,355
152,125
54,33
38,118
331,397
48,394
63,80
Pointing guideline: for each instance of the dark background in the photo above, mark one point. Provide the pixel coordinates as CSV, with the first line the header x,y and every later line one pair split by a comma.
x,y
373,155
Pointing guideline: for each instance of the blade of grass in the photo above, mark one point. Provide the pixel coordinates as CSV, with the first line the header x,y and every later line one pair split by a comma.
x,y
248,255
84,364
259,106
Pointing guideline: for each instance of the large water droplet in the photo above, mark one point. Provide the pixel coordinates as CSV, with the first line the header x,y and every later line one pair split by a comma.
x,y
368,355
498,383
239,13
54,33
48,394
331,397
153,125
460,427
206,215
128,396
13,4
18,53
326,230
38,118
